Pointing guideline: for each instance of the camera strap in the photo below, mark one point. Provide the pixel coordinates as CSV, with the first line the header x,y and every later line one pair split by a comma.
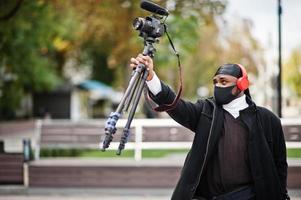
x,y
168,107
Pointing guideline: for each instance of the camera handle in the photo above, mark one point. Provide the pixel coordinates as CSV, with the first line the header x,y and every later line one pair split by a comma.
x,y
132,93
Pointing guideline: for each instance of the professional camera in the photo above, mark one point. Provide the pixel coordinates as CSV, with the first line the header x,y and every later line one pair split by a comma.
x,y
151,26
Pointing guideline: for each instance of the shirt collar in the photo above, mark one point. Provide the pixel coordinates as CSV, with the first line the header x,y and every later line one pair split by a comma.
x,y
236,105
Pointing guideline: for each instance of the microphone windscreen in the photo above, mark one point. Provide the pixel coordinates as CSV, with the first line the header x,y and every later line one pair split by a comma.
x,y
154,8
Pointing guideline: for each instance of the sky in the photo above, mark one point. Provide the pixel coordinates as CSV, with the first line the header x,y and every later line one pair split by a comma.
x,y
263,13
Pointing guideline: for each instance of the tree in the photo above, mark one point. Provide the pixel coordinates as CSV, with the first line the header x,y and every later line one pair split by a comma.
x,y
46,37
192,25
29,44
292,72
204,46
242,47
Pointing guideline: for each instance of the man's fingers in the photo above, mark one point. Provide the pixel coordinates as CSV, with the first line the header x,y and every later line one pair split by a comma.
x,y
145,61
143,57
141,60
135,61
133,65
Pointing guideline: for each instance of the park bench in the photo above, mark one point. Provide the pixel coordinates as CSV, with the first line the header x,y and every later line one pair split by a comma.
x,y
11,167
145,134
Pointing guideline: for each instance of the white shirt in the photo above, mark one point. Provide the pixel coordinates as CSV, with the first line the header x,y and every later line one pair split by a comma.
x,y
236,105
154,85
240,103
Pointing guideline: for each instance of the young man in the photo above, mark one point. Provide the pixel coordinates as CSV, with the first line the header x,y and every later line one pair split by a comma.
x,y
238,151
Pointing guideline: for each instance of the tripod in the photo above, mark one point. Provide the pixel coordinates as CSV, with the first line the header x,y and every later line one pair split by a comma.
x,y
131,97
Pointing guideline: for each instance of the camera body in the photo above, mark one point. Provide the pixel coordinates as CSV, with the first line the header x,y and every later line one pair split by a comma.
x,y
150,26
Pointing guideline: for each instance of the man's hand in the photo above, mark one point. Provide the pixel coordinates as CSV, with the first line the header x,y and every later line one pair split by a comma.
x,y
147,61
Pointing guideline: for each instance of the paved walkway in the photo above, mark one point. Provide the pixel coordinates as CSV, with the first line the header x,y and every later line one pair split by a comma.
x,y
23,193
172,160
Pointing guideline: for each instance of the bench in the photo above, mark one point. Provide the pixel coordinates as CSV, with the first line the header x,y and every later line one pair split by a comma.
x,y
11,168
145,134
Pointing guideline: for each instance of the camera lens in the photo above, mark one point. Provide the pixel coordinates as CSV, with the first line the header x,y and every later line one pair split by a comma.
x,y
138,23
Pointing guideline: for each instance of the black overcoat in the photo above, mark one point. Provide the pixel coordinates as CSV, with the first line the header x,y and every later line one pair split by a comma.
x,y
266,145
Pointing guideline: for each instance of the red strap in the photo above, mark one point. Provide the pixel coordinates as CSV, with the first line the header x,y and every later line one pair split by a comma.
x,y
168,107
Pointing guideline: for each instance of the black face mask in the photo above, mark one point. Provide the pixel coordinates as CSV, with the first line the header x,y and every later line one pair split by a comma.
x,y
223,95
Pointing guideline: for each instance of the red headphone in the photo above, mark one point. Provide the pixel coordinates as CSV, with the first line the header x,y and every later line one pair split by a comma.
x,y
242,82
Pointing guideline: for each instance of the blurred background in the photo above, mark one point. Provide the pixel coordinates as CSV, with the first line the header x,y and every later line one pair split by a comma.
x,y
64,66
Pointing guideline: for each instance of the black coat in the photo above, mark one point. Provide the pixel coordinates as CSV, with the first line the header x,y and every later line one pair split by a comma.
x,y
266,145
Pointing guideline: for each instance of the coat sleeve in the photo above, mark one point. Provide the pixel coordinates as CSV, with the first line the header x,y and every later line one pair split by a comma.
x,y
280,154
185,113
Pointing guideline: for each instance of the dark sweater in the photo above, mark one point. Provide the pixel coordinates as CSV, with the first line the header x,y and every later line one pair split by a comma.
x,y
229,169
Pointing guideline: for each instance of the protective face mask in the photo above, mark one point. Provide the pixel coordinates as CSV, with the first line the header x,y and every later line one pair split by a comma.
x,y
223,95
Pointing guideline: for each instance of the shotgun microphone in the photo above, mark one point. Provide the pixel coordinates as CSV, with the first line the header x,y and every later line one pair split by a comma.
x,y
154,8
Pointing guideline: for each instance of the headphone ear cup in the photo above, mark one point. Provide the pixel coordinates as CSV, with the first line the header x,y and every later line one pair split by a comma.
x,y
242,83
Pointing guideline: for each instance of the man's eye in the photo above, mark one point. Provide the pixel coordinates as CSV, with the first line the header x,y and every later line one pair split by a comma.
x,y
224,82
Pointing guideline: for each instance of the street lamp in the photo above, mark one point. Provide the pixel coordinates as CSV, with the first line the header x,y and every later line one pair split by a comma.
x,y
279,97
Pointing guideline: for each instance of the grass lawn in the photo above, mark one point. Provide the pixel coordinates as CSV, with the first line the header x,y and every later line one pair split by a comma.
x,y
294,153
155,153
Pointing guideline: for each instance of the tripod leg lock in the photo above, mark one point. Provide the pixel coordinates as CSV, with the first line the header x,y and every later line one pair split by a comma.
x,y
110,129
112,120
123,140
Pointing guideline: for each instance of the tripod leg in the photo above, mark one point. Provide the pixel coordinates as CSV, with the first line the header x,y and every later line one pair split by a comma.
x,y
126,131
110,127
131,95
132,83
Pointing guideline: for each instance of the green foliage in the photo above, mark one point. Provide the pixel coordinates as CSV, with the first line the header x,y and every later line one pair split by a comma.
x,y
37,43
10,97
60,152
292,72
97,58
193,28
29,44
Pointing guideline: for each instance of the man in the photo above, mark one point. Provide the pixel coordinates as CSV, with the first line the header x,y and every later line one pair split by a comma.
x,y
238,151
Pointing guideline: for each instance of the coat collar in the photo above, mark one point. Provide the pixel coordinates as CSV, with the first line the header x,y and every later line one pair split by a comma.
x,y
252,106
